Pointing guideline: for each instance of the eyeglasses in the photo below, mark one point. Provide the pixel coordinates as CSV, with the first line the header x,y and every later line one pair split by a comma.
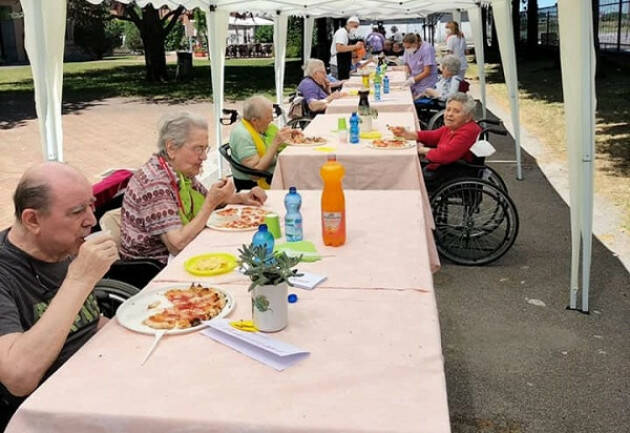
x,y
201,150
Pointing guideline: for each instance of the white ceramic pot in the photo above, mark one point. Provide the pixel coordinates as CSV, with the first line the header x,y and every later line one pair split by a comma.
x,y
270,310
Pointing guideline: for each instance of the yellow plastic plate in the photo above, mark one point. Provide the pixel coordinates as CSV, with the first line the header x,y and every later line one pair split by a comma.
x,y
205,265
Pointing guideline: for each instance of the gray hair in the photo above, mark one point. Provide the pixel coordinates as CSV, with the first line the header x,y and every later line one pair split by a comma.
x,y
312,66
254,107
31,194
451,63
176,127
467,101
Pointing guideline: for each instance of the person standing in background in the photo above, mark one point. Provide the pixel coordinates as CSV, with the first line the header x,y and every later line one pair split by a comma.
x,y
456,45
341,49
420,60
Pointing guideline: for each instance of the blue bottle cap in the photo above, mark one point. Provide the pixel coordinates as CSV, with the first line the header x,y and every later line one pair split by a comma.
x,y
262,228
292,190
292,298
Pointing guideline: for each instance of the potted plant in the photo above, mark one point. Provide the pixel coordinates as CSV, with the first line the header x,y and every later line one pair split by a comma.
x,y
270,280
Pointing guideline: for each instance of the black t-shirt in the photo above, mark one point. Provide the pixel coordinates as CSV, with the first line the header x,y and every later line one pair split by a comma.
x,y
27,286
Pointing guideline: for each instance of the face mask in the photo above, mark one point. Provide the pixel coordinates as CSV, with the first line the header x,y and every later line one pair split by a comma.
x,y
448,31
353,33
410,51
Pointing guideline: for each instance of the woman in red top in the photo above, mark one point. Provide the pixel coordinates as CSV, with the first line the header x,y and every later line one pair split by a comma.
x,y
451,142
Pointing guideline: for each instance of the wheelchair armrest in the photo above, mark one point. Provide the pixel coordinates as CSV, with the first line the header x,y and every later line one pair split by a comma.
x,y
233,115
224,149
137,272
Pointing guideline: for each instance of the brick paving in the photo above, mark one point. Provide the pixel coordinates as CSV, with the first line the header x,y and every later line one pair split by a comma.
x,y
116,132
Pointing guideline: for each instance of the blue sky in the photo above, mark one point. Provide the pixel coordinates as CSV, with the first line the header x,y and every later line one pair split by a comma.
x,y
544,3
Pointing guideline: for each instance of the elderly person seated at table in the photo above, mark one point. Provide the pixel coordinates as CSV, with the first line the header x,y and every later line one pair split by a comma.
x,y
165,206
451,142
48,270
315,87
448,84
255,141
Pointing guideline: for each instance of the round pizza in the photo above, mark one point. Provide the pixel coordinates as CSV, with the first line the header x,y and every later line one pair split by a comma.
x,y
237,218
393,143
189,307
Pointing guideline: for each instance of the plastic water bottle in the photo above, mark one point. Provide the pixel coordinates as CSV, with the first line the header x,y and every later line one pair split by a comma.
x,y
386,84
354,128
263,238
293,218
377,91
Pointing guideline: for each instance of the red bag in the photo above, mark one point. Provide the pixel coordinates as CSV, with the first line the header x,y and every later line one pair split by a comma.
x,y
464,86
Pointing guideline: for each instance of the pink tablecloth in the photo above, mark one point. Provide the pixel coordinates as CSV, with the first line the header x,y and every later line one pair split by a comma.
x,y
388,244
395,78
366,168
375,366
395,101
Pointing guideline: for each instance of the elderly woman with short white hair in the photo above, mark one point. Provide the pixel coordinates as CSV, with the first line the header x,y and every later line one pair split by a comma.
x,y
315,87
448,85
165,206
452,141
255,141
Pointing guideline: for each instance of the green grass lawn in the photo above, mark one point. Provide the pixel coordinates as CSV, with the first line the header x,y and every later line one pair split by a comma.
x,y
124,76
542,112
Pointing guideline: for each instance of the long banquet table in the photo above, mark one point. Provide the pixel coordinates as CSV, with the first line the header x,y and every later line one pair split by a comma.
x,y
365,168
375,365
397,100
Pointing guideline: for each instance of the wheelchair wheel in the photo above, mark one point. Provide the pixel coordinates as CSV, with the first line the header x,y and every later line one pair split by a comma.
x,y
111,293
437,120
490,174
476,222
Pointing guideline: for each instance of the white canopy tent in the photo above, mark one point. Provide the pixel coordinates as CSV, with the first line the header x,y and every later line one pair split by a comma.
x,y
45,29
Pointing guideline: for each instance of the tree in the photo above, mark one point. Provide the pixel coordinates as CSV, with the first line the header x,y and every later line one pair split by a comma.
x,y
595,8
532,26
516,21
154,25
92,29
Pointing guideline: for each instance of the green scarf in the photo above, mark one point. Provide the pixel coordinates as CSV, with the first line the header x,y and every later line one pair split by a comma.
x,y
270,134
192,200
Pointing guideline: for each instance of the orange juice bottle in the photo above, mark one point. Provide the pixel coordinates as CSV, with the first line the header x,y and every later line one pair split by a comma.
x,y
333,203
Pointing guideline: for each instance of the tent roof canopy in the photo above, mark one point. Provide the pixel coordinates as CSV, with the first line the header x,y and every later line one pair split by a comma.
x,y
321,8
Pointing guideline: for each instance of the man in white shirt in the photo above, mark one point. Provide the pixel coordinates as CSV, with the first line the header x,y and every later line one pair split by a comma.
x,y
396,35
340,46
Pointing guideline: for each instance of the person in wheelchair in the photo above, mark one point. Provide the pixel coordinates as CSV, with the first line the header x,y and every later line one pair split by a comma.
x,y
440,148
48,271
255,141
315,88
446,87
165,206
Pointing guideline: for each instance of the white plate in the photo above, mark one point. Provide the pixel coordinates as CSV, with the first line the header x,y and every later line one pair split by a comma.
x,y
134,310
409,144
212,220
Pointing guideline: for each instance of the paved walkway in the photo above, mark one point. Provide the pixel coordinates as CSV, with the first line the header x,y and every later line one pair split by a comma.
x,y
116,132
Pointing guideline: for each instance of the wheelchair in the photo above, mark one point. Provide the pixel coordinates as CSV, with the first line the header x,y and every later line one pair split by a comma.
x,y
476,221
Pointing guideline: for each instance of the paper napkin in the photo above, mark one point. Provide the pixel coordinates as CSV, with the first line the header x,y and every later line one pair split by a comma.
x,y
256,345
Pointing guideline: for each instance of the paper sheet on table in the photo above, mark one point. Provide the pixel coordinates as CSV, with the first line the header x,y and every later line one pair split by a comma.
x,y
308,280
258,346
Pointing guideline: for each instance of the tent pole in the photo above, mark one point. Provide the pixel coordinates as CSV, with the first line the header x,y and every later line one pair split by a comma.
x,y
45,29
502,10
474,16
